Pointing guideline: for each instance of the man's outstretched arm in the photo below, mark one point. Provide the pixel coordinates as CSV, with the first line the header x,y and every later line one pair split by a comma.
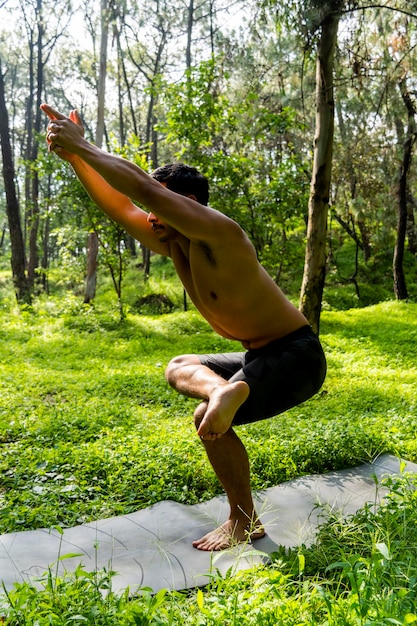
x,y
116,205
184,214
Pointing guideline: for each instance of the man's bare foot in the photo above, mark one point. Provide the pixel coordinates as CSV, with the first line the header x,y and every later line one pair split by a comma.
x,y
229,534
221,409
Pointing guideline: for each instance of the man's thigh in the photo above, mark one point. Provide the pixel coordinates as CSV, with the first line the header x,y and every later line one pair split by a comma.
x,y
225,365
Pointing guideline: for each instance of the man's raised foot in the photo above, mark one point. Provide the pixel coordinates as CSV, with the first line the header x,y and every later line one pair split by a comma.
x,y
223,403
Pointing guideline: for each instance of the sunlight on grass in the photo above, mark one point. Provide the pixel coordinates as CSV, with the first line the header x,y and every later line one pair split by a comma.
x,y
89,429
86,398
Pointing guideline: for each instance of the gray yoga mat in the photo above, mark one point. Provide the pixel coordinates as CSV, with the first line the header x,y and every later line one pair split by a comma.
x,y
152,547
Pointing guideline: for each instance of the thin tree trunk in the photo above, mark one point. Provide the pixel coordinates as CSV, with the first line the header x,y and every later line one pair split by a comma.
x,y
146,261
18,258
151,136
102,73
34,126
190,24
92,244
45,254
31,208
315,256
400,287
91,277
411,224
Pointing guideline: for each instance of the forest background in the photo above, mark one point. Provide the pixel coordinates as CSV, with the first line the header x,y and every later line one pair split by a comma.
x,y
268,101
302,115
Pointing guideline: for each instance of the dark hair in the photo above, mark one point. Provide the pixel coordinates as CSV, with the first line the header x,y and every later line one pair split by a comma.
x,y
183,179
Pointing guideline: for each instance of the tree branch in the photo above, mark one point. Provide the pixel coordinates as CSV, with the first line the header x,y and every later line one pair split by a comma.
x,y
379,6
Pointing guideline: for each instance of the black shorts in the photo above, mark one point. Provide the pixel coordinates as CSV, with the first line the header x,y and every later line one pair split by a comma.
x,y
280,375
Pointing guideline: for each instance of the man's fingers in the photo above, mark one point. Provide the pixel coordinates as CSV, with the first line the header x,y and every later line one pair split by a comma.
x,y
53,114
75,117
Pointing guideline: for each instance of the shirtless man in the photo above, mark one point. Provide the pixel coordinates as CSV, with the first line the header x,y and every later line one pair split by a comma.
x,y
283,363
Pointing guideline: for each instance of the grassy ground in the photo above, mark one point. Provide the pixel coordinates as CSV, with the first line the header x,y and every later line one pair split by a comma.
x,y
89,429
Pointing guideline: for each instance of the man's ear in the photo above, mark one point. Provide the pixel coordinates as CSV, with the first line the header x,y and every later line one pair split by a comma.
x,y
192,196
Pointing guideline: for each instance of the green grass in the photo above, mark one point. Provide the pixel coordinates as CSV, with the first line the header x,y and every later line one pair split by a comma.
x,y
87,421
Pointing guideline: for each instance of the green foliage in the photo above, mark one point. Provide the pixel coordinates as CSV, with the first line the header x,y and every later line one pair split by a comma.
x,y
80,598
350,284
364,565
242,143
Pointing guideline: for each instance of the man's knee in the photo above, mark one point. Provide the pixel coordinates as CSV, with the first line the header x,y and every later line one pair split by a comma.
x,y
177,363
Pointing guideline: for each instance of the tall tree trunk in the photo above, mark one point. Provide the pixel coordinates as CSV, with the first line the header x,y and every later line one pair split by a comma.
x,y
92,245
33,149
18,259
128,84
31,209
45,254
120,80
315,256
151,136
146,261
411,224
91,274
400,287
190,24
